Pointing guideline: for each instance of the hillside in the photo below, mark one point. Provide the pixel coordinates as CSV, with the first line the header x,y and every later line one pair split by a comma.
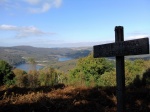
x,y
71,99
19,54
49,56
64,66
90,86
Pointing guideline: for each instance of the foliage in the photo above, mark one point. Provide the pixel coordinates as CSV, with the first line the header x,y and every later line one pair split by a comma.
x,y
146,78
20,78
33,81
88,72
89,69
107,79
48,76
6,75
134,74
64,66
100,72
71,99
134,70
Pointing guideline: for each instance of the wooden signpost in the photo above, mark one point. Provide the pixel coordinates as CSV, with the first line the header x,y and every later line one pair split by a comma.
x,y
119,49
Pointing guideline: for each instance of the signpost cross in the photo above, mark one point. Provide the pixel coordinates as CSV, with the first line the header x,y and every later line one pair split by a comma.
x,y
119,49
120,72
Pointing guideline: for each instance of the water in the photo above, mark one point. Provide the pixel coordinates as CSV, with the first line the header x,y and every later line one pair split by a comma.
x,y
64,59
27,67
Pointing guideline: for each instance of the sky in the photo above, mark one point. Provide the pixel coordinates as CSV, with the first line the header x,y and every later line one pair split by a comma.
x,y
71,23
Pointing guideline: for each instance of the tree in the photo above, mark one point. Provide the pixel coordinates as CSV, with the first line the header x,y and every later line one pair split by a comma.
x,y
6,74
48,77
33,78
21,79
134,70
32,74
89,69
33,63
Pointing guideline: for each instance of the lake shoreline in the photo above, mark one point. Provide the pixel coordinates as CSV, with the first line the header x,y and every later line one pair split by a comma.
x,y
28,66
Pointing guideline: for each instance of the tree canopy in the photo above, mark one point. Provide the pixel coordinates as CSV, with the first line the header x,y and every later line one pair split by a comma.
x,y
6,74
90,69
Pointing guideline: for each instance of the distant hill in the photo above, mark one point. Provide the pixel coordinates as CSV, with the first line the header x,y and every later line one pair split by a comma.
x,y
19,54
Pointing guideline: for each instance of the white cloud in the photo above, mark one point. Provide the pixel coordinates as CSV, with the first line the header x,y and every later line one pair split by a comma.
x,y
26,31
41,6
33,6
57,3
8,27
45,7
32,2
29,31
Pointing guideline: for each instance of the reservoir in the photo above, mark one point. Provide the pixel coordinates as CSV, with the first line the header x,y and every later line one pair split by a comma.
x,y
26,67
64,58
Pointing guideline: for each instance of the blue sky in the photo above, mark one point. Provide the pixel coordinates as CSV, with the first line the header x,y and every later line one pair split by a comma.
x,y
71,23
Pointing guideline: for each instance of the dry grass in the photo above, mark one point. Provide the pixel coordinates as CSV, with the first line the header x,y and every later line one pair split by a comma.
x,y
70,99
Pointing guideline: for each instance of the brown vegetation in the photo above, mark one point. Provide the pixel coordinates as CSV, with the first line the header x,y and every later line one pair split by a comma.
x,y
71,99
91,87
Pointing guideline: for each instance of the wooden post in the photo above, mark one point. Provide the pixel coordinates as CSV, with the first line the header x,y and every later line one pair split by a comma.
x,y
119,49
120,72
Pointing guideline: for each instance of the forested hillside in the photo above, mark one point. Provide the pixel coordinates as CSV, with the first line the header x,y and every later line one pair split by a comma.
x,y
90,86
19,54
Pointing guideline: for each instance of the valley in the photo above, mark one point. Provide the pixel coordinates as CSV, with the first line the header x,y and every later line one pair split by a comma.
x,y
53,57
21,54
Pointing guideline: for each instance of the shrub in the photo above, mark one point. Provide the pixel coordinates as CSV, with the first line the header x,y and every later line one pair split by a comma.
x,y
21,79
88,70
48,77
